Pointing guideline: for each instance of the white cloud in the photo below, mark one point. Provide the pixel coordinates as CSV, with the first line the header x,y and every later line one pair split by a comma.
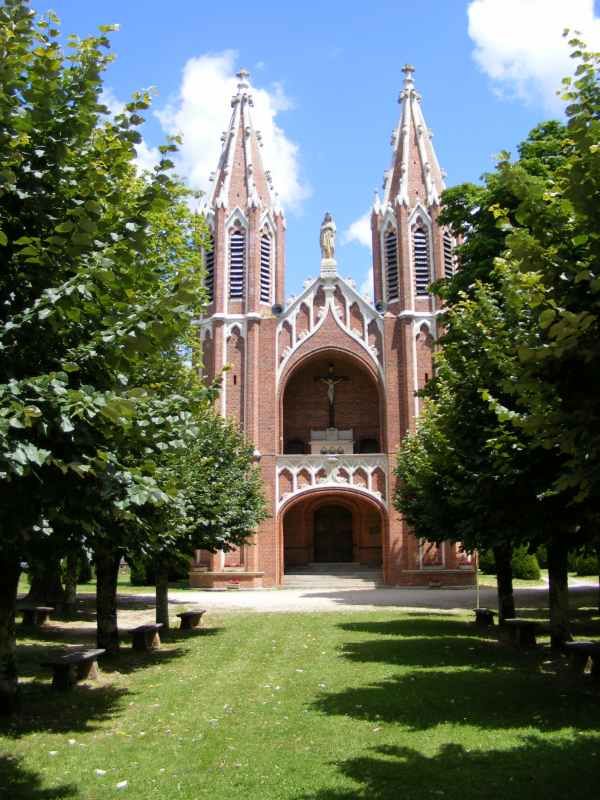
x,y
359,231
147,157
519,44
201,111
109,99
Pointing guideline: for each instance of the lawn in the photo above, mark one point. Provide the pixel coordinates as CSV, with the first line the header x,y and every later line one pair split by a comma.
x,y
124,585
333,706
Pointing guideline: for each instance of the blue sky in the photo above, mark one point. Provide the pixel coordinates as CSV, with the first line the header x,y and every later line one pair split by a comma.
x,y
328,76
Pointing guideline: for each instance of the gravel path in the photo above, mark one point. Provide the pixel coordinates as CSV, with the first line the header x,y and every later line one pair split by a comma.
x,y
297,600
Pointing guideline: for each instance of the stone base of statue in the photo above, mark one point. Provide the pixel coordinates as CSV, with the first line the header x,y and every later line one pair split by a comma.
x,y
328,267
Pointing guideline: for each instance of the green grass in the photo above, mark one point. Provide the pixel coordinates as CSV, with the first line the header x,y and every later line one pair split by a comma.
x,y
124,585
334,706
490,580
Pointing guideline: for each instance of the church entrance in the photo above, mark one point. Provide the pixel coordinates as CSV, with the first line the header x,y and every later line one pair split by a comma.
x,y
333,534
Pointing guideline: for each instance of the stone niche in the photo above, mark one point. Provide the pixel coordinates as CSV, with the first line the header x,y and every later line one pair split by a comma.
x,y
331,441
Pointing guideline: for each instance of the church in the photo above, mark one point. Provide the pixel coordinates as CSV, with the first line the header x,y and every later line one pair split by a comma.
x,y
325,386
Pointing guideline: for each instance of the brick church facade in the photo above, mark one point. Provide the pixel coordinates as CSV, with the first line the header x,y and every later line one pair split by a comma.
x,y
325,386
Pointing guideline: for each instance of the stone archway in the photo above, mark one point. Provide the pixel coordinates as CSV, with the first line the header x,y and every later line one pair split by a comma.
x,y
332,527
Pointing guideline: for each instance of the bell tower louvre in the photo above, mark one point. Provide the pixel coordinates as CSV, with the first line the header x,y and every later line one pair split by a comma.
x,y
325,386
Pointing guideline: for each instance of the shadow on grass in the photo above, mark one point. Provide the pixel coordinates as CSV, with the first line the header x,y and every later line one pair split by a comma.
x,y
495,697
44,710
537,770
459,678
20,783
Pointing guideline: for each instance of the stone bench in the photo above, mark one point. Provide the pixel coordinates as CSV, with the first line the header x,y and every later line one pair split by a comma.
x,y
484,617
146,637
580,653
521,632
73,667
35,616
191,619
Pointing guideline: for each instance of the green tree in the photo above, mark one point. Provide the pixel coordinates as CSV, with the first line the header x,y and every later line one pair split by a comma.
x,y
100,268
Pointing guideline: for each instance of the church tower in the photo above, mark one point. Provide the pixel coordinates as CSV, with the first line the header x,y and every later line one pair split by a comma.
x,y
245,266
410,248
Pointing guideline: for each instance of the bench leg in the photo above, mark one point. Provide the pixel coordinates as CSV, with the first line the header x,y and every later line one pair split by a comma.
x,y
28,618
507,634
65,677
88,671
186,624
526,639
578,662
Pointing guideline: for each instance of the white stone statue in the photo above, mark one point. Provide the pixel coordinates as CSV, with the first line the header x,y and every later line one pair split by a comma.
x,y
327,237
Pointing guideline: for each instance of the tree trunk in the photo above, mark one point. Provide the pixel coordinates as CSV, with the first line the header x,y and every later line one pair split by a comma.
x,y
46,588
504,577
598,557
107,573
70,580
10,569
558,592
162,594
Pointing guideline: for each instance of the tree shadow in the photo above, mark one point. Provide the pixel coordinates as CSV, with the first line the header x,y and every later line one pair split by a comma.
x,y
536,770
497,697
20,783
419,624
43,709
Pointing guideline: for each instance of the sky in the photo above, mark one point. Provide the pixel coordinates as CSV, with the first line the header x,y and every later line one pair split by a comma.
x,y
326,78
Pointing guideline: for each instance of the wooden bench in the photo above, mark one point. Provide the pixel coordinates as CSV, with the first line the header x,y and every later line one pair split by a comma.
x,y
484,617
521,632
73,667
35,616
146,637
580,653
191,619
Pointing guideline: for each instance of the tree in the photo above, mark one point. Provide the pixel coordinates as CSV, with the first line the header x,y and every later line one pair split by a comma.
x,y
219,499
498,482
101,266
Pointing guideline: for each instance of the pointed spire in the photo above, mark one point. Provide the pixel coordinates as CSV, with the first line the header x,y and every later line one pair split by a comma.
x,y
240,179
415,175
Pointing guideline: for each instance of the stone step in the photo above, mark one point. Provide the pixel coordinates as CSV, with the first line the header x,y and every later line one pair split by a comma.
x,y
349,578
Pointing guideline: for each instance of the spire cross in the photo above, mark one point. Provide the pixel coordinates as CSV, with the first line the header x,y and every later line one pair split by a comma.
x,y
243,75
408,71
330,380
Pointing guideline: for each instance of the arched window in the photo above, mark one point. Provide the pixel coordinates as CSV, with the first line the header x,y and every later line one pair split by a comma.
x,y
237,263
390,247
209,268
449,260
421,258
265,268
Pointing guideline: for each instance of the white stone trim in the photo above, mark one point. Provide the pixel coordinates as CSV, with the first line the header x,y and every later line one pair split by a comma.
x,y
331,464
350,296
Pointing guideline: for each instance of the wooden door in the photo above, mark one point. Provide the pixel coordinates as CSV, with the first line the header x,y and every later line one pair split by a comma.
x,y
333,534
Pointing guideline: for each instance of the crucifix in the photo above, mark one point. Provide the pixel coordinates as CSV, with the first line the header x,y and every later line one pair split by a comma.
x,y
331,380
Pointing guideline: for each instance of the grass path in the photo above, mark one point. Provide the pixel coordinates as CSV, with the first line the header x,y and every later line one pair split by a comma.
x,y
332,706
